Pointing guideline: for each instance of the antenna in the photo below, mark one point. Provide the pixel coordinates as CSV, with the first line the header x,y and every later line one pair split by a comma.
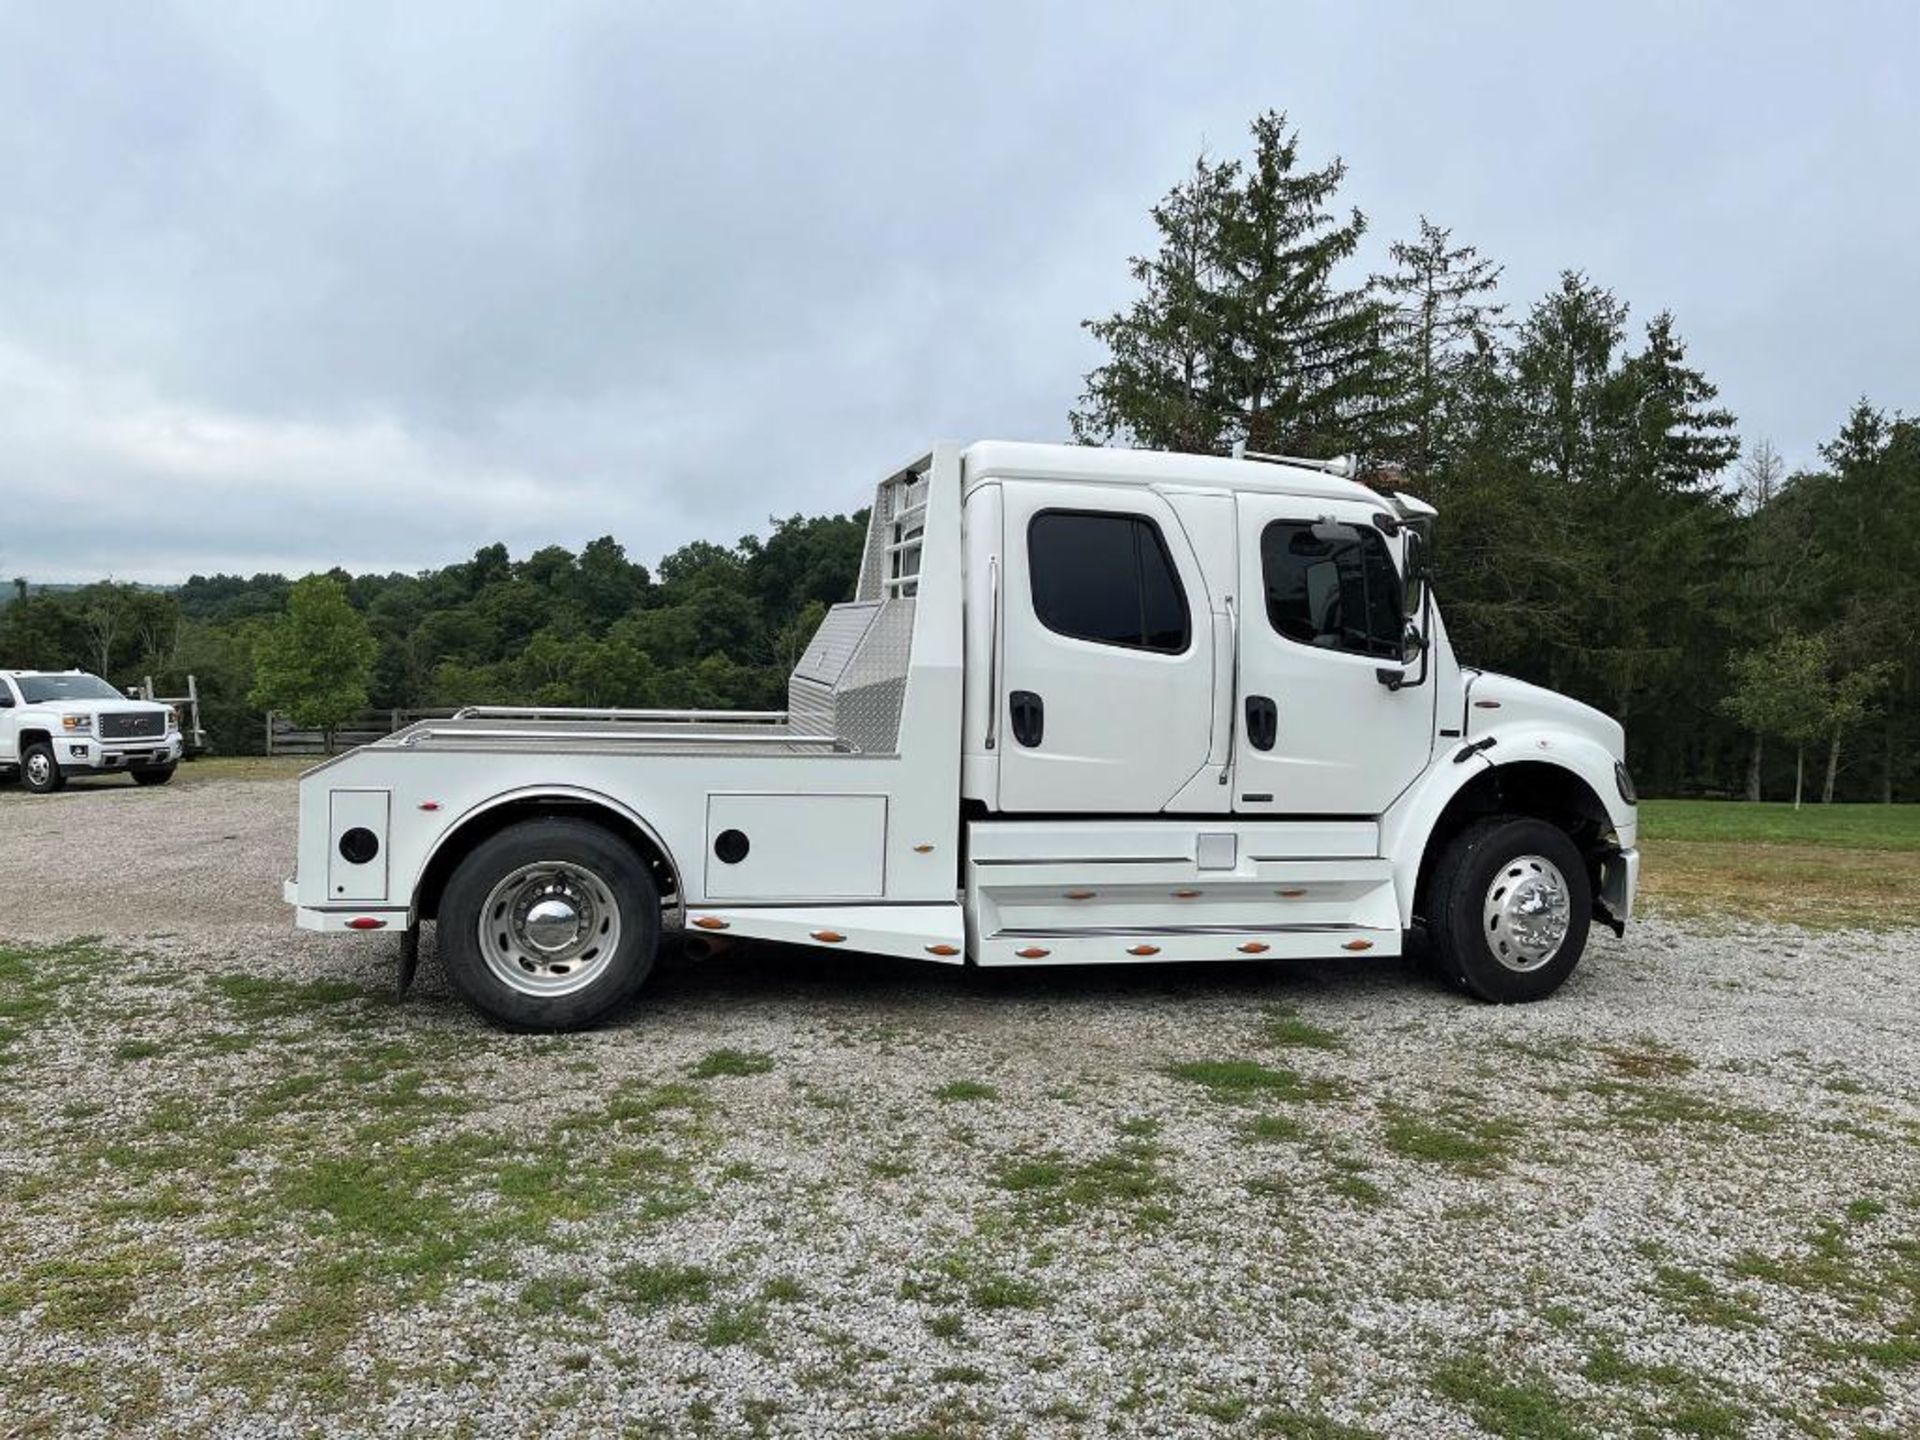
x,y
1345,466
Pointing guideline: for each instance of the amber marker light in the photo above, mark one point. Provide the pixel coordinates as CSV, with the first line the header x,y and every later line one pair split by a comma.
x,y
1358,945
828,937
1255,947
943,949
1032,952
711,922
1144,950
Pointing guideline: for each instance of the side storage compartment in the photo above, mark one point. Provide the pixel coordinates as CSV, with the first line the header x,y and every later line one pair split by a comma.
x,y
796,847
357,845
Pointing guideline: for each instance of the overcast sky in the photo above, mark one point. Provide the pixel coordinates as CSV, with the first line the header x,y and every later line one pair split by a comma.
x,y
284,286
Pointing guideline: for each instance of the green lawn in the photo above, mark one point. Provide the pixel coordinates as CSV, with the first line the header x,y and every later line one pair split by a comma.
x,y
1851,827
1823,865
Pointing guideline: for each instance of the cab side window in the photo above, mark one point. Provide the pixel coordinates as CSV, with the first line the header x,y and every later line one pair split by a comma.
x,y
1333,587
1108,579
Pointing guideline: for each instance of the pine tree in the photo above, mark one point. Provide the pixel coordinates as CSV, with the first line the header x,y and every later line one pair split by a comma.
x,y
1306,362
1160,388
1442,327
1241,332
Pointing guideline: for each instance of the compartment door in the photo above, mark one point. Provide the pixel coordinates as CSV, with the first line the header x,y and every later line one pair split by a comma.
x,y
796,847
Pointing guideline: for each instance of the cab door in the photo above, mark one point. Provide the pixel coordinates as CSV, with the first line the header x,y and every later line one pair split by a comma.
x,y
1104,693
1317,732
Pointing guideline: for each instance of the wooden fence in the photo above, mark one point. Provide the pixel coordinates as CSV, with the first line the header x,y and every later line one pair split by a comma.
x,y
284,738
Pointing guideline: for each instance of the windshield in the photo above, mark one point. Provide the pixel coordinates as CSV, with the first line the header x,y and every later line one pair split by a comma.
x,y
38,689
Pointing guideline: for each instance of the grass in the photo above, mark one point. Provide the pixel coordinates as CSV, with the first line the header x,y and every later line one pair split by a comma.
x,y
1511,1404
1248,1079
731,1062
1822,866
966,1090
245,767
1845,827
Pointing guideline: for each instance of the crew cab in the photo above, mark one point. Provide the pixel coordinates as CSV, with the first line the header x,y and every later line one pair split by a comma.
x,y
1086,706
59,723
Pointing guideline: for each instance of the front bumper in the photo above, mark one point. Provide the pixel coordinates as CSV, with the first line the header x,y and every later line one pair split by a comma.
x,y
88,755
1619,881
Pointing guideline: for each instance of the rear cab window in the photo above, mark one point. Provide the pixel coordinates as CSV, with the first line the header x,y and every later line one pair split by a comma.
x,y
1107,578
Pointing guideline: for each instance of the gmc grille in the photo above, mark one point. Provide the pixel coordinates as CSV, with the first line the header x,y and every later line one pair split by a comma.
x,y
133,725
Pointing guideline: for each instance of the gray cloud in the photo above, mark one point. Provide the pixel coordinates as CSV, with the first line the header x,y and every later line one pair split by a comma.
x,y
289,286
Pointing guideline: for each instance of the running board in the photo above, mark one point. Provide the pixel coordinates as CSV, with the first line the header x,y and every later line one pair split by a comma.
x,y
1075,893
918,932
1107,945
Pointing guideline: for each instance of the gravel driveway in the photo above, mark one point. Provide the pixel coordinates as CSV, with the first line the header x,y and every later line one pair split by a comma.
x,y
243,1192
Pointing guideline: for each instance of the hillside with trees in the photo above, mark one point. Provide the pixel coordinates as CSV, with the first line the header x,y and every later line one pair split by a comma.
x,y
1603,529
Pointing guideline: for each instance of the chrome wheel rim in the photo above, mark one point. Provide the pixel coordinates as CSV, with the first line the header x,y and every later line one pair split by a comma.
x,y
1527,914
549,928
39,769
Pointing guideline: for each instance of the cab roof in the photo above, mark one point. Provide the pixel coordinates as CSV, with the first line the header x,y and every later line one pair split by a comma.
x,y
1090,464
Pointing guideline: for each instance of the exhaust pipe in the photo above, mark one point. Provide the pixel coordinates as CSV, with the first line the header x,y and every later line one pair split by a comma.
x,y
703,947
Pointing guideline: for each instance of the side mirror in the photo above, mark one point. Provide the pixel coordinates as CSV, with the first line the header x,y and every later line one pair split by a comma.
x,y
1414,586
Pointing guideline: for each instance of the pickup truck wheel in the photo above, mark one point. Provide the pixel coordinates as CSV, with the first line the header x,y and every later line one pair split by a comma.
x,y
549,925
1509,908
39,771
153,775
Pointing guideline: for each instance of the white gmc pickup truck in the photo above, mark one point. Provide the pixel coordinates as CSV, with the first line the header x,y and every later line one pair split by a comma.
x,y
1086,706
56,724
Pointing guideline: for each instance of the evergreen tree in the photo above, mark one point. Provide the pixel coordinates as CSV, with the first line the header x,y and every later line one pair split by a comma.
x,y
1241,332
1305,363
1443,325
1160,387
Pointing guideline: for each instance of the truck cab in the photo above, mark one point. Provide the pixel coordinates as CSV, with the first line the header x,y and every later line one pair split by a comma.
x,y
1086,706
54,724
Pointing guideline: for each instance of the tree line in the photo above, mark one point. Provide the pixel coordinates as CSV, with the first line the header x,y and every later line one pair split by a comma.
x,y
1603,530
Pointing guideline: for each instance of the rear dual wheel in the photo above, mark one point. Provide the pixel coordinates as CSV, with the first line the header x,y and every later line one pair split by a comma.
x,y
1508,909
550,925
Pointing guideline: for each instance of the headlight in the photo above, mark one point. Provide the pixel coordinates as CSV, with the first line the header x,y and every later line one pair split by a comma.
x,y
77,724
1625,782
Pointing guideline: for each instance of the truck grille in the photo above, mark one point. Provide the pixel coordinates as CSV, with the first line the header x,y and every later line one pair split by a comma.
x,y
133,724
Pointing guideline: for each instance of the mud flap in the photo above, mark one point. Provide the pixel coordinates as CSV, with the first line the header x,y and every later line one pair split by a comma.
x,y
409,960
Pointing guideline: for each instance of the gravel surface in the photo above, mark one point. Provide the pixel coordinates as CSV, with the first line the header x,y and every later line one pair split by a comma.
x,y
242,1192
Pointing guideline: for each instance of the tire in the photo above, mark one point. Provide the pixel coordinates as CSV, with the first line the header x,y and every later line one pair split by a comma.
x,y
520,919
1508,909
153,774
39,771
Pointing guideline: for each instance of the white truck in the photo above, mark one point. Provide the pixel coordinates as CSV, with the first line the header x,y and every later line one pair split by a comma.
x,y
1086,706
59,723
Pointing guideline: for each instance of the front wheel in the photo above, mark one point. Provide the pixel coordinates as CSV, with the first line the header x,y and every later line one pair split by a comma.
x,y
549,925
1508,908
39,771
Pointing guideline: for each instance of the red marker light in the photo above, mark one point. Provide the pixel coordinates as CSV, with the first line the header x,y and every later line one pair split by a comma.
x,y
429,804
366,922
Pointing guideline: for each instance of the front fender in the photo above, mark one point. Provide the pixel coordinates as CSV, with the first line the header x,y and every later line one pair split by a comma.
x,y
1407,828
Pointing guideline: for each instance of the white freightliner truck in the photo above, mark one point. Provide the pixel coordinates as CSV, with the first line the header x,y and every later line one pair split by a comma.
x,y
1087,706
